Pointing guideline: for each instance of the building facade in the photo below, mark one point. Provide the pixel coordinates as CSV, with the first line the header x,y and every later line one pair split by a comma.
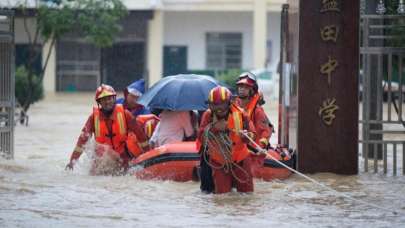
x,y
165,37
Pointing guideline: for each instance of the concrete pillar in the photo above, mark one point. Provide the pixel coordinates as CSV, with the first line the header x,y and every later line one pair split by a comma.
x,y
155,47
49,81
259,33
323,46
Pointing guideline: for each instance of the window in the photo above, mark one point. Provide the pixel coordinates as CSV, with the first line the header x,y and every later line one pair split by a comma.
x,y
224,50
77,66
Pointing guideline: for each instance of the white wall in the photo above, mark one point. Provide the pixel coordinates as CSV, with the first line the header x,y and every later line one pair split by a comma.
x,y
273,34
20,35
189,29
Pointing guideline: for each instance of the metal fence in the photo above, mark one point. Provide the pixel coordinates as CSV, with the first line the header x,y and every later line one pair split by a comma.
x,y
382,93
7,83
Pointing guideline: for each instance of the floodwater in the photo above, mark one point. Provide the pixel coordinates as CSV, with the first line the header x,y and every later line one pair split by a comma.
x,y
36,191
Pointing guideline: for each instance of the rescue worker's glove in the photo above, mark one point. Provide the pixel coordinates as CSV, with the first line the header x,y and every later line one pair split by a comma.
x,y
74,157
152,144
283,155
264,143
261,99
69,166
145,147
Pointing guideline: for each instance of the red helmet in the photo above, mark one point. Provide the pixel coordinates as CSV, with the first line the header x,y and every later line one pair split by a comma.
x,y
248,78
104,91
246,81
219,95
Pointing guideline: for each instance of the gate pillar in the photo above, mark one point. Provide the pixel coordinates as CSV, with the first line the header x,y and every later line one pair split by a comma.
x,y
321,70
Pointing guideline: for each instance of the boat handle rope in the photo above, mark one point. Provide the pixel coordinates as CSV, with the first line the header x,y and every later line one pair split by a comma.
x,y
226,153
344,195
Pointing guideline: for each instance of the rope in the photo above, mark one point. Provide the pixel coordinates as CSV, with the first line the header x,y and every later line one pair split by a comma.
x,y
223,144
393,98
397,111
317,182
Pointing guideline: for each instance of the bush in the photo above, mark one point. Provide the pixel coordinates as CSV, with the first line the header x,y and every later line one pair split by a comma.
x,y
21,87
229,77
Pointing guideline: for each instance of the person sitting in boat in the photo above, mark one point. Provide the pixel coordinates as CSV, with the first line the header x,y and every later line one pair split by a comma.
x,y
223,144
110,123
174,126
131,96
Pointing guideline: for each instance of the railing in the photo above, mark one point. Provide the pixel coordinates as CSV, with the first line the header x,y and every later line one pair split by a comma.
x,y
382,93
7,96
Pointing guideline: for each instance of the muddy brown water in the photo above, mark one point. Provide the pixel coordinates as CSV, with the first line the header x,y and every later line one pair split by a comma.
x,y
36,191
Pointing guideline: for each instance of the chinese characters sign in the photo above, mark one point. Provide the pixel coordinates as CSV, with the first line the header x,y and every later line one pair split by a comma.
x,y
327,111
328,67
330,6
329,34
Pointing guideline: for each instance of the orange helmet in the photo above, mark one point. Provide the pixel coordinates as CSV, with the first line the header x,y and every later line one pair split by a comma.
x,y
219,95
104,91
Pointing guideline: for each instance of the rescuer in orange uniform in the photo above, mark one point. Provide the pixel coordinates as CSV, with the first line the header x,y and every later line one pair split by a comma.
x,y
148,123
110,123
223,145
249,100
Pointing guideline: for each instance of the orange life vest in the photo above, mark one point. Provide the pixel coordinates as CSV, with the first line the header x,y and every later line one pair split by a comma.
x,y
239,148
133,146
117,138
250,108
148,122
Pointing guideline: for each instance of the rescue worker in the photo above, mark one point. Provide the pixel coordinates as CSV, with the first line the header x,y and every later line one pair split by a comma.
x,y
110,123
143,115
148,123
249,100
223,145
131,96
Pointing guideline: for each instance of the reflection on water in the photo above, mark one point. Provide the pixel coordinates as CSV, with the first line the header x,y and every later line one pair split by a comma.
x,y
35,191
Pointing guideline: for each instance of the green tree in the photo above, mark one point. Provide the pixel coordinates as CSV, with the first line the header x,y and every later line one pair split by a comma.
x,y
21,86
397,32
229,77
96,20
398,29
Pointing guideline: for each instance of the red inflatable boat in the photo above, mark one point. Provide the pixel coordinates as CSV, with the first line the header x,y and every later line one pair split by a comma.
x,y
178,162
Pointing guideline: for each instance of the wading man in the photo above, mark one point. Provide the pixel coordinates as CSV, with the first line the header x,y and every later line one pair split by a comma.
x,y
223,146
110,124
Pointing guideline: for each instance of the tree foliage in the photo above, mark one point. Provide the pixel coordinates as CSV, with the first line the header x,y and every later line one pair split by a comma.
x,y
229,78
95,20
398,32
21,86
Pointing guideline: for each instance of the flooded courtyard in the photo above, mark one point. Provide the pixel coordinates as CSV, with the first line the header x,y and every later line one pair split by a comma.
x,y
36,191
